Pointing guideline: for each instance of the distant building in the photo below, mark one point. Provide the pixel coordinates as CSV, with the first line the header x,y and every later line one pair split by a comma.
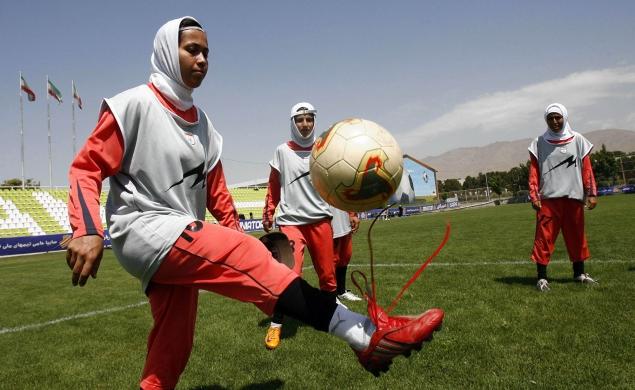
x,y
424,178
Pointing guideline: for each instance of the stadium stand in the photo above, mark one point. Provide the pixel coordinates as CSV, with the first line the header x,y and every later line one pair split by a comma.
x,y
37,212
249,200
21,214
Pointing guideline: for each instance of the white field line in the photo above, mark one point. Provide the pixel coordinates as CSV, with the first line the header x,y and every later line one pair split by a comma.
x,y
388,265
475,264
31,254
70,318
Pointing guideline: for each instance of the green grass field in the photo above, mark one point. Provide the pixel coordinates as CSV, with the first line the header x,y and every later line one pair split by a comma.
x,y
499,332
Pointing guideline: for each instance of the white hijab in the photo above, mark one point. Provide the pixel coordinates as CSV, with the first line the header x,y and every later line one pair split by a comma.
x,y
301,109
566,131
166,68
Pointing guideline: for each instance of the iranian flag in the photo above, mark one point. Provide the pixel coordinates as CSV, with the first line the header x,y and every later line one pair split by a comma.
x,y
76,96
26,89
54,92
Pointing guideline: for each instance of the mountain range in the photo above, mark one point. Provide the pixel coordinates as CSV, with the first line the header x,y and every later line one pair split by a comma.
x,y
502,156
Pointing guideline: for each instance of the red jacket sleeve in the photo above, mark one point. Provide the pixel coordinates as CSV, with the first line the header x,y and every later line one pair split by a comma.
x,y
273,196
588,178
219,200
534,179
98,159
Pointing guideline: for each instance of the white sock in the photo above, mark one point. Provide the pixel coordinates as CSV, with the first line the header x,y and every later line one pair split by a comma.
x,y
354,328
275,325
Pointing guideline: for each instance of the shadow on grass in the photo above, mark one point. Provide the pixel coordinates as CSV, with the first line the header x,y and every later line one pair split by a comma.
x,y
631,268
289,327
529,280
268,385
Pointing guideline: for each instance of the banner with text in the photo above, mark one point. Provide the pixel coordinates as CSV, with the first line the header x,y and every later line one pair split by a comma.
x,y
36,244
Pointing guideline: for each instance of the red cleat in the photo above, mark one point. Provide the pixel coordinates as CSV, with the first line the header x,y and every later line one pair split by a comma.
x,y
396,336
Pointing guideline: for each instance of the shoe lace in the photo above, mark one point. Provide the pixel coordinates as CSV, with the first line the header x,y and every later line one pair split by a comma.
x,y
272,333
370,293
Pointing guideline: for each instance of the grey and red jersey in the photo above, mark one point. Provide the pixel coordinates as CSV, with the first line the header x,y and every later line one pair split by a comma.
x,y
161,185
560,166
300,203
341,222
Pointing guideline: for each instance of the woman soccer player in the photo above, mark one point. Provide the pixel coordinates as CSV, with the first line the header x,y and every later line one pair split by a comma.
x,y
560,181
162,155
303,216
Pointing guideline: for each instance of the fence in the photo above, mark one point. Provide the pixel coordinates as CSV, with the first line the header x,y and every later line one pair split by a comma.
x,y
478,195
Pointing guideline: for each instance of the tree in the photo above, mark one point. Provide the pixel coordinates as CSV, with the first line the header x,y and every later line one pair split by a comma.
x,y
605,165
495,185
17,183
440,187
481,180
12,183
470,183
518,178
451,185
498,181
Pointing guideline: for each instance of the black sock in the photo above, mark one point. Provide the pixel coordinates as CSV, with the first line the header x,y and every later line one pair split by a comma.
x,y
277,317
307,304
340,278
578,268
542,271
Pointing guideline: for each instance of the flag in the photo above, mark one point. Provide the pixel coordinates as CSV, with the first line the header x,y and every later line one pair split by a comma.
x,y
54,92
76,96
25,87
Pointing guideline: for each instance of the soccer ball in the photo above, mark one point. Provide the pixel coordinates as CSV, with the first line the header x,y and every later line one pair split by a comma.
x,y
356,165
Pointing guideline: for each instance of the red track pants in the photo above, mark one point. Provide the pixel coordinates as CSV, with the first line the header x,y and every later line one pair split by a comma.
x,y
213,258
318,238
343,248
554,215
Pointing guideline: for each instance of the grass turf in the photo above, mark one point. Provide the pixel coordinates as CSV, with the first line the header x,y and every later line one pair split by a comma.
x,y
499,331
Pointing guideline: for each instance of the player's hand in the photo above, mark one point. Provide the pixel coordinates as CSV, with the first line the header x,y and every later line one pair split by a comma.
x,y
266,225
591,202
354,219
536,205
83,256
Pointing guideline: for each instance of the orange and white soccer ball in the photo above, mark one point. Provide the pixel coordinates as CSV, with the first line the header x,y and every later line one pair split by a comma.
x,y
356,165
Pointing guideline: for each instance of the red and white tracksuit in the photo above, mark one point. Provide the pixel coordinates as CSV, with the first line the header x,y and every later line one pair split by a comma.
x,y
219,258
315,236
557,214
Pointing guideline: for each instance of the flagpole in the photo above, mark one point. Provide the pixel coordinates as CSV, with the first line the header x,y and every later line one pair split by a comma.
x,y
73,111
48,115
21,131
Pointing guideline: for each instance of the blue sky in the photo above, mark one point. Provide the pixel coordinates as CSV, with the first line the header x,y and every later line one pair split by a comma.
x,y
437,74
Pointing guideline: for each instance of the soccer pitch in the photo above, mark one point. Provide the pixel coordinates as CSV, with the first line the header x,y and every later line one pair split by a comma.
x,y
499,332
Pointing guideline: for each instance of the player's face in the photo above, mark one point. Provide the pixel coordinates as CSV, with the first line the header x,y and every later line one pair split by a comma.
x,y
304,123
555,122
193,53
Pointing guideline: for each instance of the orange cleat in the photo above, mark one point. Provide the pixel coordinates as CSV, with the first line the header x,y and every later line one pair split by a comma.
x,y
272,339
